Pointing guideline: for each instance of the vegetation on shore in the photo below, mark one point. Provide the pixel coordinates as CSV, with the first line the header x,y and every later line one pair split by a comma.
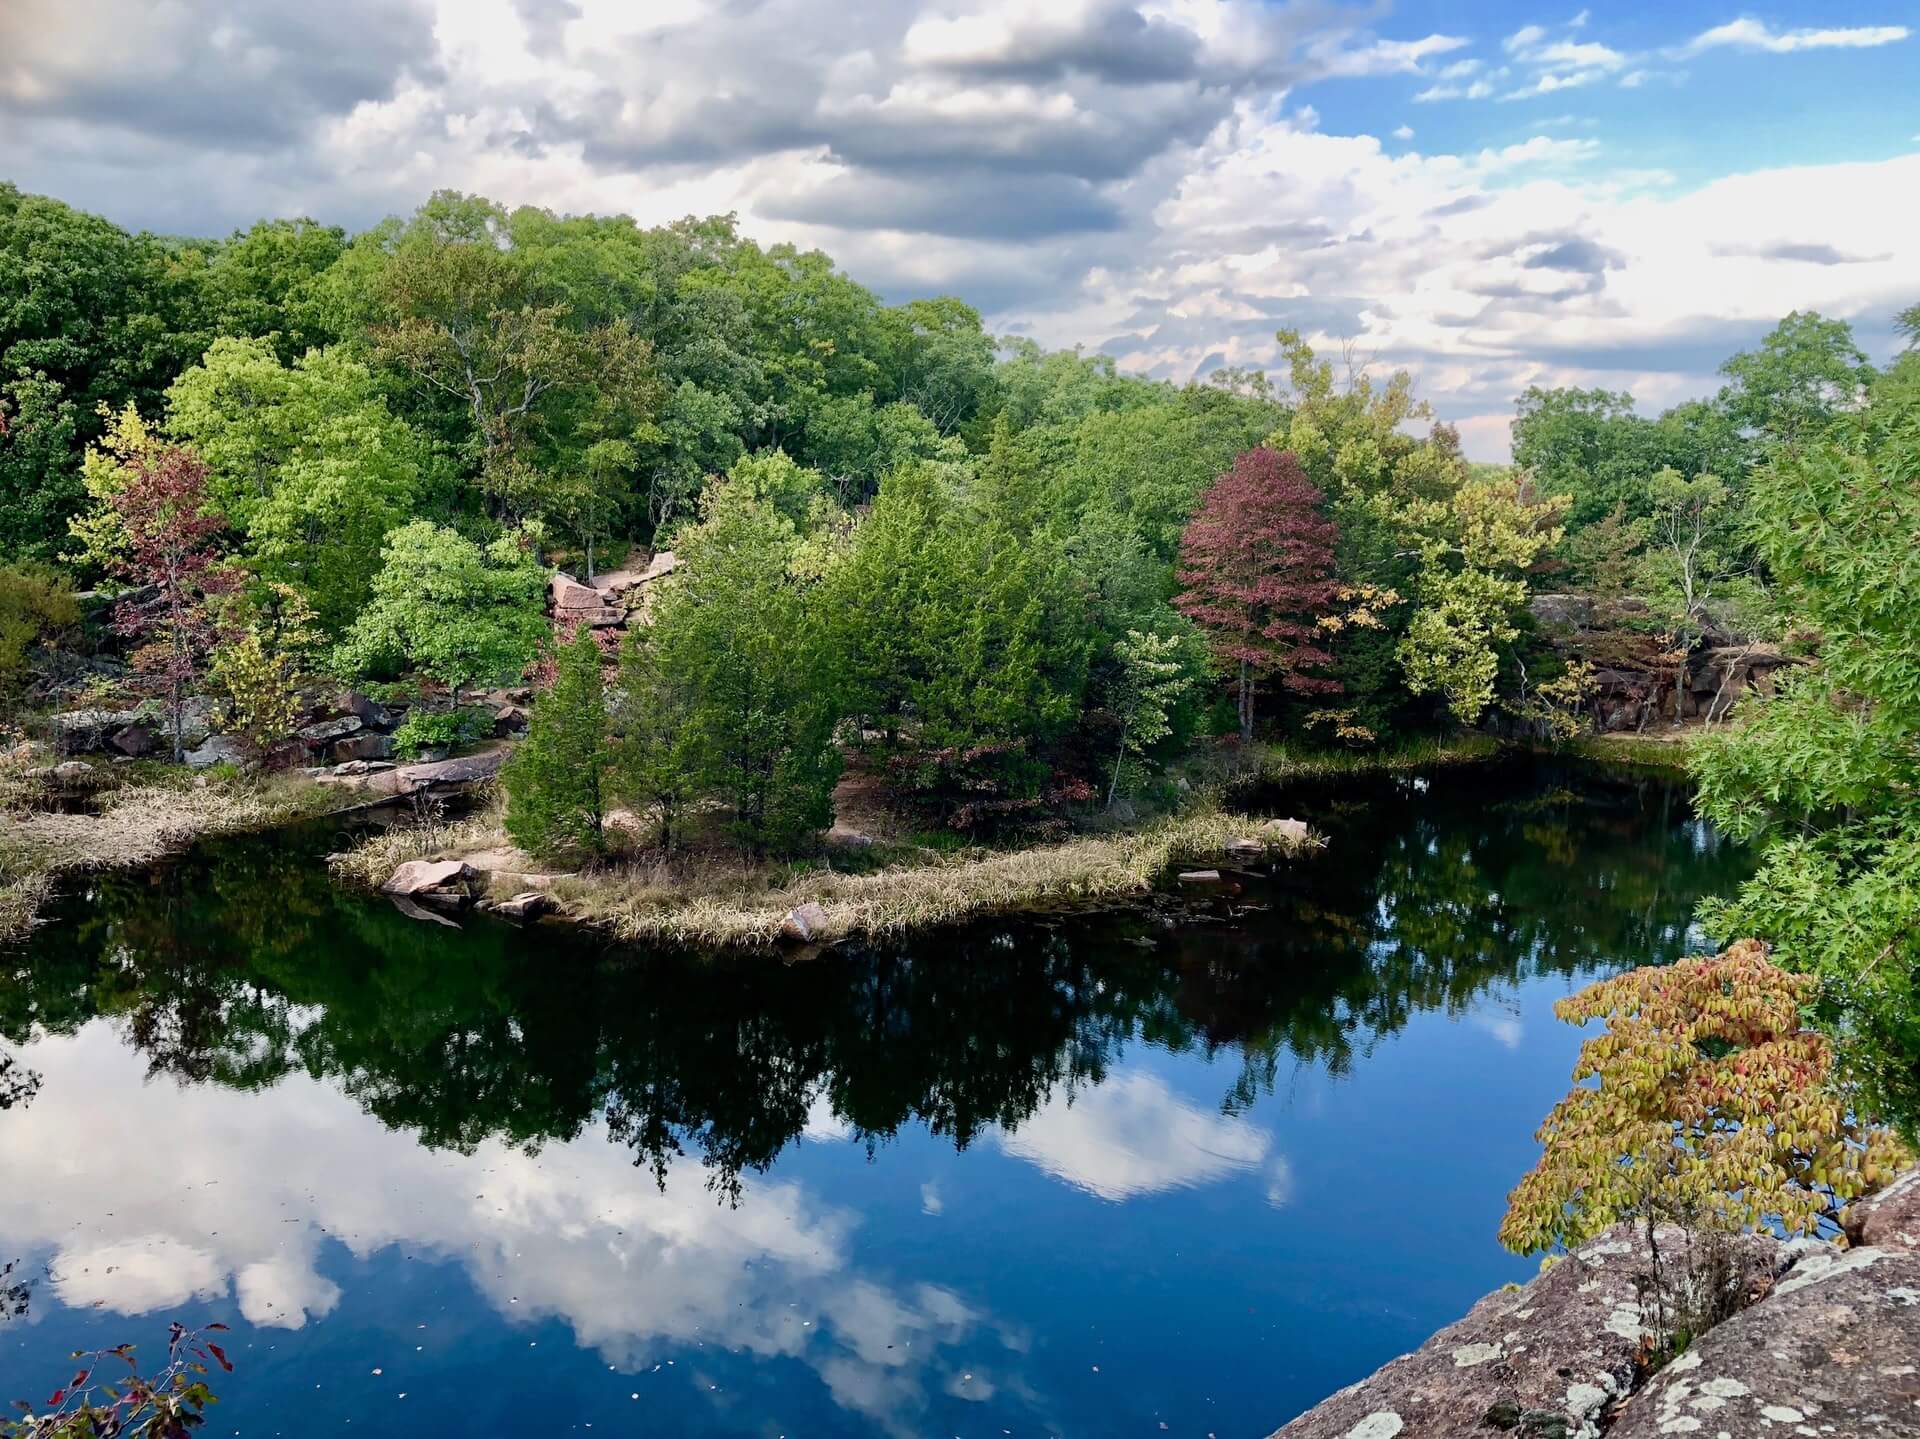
x,y
124,822
711,901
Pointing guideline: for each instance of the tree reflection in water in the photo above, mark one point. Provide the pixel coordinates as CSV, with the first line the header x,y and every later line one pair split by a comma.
x,y
243,963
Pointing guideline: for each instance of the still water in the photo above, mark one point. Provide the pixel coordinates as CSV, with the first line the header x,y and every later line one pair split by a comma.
x,y
1183,1168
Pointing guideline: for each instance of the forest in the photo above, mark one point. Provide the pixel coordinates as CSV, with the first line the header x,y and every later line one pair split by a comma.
x,y
1010,587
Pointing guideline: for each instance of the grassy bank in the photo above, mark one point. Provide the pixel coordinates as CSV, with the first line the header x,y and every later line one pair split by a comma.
x,y
1267,765
1638,750
131,820
722,903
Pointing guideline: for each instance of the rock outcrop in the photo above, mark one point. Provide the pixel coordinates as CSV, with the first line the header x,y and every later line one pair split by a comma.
x,y
1826,1343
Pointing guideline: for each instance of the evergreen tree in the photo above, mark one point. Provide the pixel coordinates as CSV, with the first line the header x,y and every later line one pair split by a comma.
x,y
556,780
658,766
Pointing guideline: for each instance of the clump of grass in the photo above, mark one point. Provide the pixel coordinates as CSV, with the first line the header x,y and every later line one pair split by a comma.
x,y
742,909
136,824
1639,750
1263,765
427,835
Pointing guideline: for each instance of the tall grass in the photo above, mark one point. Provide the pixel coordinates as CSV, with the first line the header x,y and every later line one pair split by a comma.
x,y
1266,765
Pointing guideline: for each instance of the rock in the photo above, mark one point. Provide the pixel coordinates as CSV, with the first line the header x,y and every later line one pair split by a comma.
x,y
509,719
135,740
569,594
440,774
662,564
419,878
615,582
414,911
1890,1217
1567,611
804,924
1291,832
1550,1357
83,731
219,749
529,904
1833,1350
1200,876
363,746
330,729
355,767
72,771
1246,847
1123,811
197,716
368,711
843,838
599,618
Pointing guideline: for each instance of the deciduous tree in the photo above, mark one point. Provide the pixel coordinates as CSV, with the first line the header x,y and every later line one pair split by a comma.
x,y
1256,574
556,780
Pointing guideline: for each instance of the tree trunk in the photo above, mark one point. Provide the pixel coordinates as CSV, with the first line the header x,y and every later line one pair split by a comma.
x,y
1118,760
589,559
1246,702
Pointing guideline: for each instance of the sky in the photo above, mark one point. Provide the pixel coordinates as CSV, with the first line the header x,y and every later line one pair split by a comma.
x,y
1492,195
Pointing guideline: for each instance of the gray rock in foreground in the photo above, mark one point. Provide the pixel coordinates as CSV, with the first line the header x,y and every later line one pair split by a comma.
x,y
1544,1360
1833,1351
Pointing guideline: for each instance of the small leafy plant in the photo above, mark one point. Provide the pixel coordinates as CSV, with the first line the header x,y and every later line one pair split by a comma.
x,y
428,730
167,1405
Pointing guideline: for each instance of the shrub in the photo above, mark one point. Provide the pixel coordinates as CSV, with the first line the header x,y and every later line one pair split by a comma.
x,y
36,604
454,729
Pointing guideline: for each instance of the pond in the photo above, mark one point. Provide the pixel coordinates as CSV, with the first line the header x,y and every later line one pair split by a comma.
x,y
1180,1168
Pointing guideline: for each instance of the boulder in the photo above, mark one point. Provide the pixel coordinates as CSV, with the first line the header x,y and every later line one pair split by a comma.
x,y
508,720
1834,1349
843,838
569,594
528,904
1565,611
615,582
363,746
84,731
661,565
437,774
1889,1218
72,771
197,720
135,740
1292,833
418,878
368,711
602,617
1246,847
219,749
1200,876
805,924
1548,1358
330,729
355,767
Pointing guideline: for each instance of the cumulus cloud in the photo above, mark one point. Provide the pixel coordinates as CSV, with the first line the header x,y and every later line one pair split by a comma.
x,y
1146,175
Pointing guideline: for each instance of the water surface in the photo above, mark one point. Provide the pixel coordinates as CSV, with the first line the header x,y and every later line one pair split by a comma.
x,y
1181,1169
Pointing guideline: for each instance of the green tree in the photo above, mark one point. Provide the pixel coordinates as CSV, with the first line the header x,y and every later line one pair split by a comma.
x,y
556,779
737,632
306,460
1807,371
658,766
1824,775
459,612
268,281
1153,676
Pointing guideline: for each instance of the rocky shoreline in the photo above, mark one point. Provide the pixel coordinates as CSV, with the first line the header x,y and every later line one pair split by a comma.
x,y
1825,1342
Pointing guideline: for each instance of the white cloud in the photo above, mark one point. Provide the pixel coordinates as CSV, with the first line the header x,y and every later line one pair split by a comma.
x,y
1133,1135
1750,34
1403,132
571,1233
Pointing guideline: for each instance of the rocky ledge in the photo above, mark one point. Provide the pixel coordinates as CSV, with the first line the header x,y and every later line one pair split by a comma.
x,y
1828,1344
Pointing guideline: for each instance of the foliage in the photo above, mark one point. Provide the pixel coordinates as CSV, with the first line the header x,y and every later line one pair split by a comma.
x,y
153,529
460,612
1807,372
556,780
261,671
1153,679
169,1404
1824,774
656,767
737,634
1711,1100
1256,573
36,607
427,731
1475,546
305,460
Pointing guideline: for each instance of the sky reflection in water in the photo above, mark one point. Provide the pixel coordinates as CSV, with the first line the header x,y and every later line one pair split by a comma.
x,y
1076,1177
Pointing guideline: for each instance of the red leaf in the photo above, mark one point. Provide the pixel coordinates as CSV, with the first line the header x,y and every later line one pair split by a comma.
x,y
59,1397
220,1354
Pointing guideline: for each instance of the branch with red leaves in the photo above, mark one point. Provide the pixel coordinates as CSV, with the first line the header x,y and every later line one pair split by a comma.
x,y
101,1402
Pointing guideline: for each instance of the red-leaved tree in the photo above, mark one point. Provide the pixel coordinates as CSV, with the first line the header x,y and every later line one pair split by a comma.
x,y
1256,574
165,548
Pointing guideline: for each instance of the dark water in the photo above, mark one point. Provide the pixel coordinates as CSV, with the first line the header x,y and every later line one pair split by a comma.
x,y
1125,1174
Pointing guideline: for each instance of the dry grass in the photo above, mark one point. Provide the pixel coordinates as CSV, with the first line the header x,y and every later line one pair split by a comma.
x,y
135,825
429,836
723,903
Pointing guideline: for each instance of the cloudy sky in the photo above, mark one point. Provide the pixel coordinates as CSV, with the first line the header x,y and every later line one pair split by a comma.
x,y
1493,194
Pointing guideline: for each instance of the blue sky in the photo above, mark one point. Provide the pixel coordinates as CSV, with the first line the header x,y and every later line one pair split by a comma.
x,y
1493,195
